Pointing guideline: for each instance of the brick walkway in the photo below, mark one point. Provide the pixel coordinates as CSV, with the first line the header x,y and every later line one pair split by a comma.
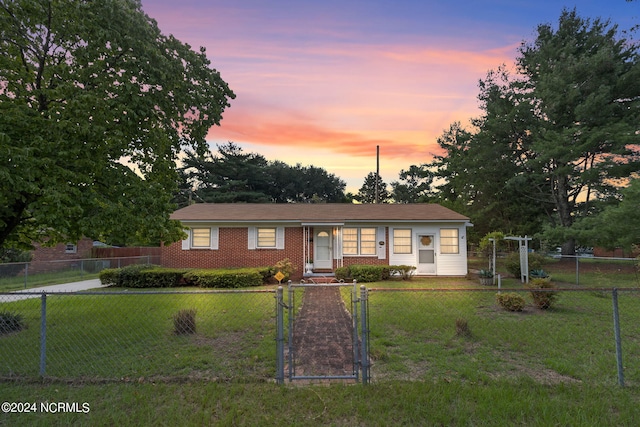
x,y
323,336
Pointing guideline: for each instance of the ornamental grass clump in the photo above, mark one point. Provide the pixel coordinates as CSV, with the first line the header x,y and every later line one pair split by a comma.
x,y
184,322
10,322
462,327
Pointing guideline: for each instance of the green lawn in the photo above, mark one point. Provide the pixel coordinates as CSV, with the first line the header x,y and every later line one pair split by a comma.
x,y
537,367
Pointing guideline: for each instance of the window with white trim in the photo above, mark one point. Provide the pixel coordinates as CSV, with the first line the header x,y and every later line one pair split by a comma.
x,y
359,241
266,237
449,241
70,248
402,241
201,238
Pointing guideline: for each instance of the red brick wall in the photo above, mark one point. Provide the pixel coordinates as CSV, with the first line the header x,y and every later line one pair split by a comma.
x,y
56,253
233,252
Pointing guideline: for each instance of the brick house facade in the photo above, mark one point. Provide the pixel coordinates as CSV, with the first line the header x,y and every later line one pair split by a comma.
x,y
318,238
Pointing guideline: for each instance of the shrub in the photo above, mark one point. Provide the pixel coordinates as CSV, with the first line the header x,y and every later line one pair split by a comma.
x,y
10,322
162,277
512,262
143,276
225,278
286,267
342,273
511,301
110,276
129,276
404,271
369,273
184,322
542,298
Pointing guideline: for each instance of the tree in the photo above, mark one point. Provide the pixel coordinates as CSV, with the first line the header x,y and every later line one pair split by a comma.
x,y
367,193
235,176
228,177
618,225
582,83
414,185
554,139
95,105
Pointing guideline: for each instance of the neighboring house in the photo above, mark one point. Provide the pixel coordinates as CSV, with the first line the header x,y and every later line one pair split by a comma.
x,y
428,236
57,257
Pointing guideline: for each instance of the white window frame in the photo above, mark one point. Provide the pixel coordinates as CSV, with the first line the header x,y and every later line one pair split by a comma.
x,y
254,234
214,232
408,248
266,237
372,249
449,245
70,248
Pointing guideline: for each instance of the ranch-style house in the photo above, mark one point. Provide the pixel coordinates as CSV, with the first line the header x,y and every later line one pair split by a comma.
x,y
318,238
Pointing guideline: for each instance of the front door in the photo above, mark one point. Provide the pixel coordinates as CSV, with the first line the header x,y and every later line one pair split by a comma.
x,y
426,254
322,249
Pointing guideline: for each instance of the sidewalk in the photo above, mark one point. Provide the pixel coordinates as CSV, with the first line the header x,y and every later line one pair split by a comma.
x,y
83,285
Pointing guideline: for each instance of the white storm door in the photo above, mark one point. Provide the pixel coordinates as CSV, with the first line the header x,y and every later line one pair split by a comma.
x,y
426,254
322,248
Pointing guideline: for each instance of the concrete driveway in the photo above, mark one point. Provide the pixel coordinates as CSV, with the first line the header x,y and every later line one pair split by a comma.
x,y
83,285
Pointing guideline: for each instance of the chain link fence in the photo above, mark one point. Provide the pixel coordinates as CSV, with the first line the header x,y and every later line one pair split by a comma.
x,y
464,334
588,335
139,336
24,275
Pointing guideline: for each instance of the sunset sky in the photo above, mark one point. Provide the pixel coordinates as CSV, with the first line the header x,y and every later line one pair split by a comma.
x,y
324,82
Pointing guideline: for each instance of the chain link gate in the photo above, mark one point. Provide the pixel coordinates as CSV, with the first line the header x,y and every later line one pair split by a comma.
x,y
325,338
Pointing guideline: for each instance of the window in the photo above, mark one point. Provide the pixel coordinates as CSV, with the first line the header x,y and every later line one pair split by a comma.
x,y
70,248
359,241
449,241
266,237
201,238
402,241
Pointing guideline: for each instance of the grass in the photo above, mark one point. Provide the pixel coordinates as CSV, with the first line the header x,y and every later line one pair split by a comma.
x,y
16,283
538,367
115,335
393,403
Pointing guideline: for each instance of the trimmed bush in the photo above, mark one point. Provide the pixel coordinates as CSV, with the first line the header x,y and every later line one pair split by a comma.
x,y
143,276
511,301
10,322
160,277
129,276
369,273
542,298
110,276
225,278
342,273
184,322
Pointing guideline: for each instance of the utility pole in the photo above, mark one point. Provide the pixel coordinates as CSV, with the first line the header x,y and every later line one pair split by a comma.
x,y
377,173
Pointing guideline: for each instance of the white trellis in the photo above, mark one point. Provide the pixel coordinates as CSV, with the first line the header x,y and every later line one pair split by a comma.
x,y
523,246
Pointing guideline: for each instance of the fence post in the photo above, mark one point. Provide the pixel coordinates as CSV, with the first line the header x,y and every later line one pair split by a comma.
x,y
354,302
43,333
26,274
279,336
577,270
616,328
365,335
290,304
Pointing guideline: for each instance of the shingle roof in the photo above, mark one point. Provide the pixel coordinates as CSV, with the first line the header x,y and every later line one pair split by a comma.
x,y
320,212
